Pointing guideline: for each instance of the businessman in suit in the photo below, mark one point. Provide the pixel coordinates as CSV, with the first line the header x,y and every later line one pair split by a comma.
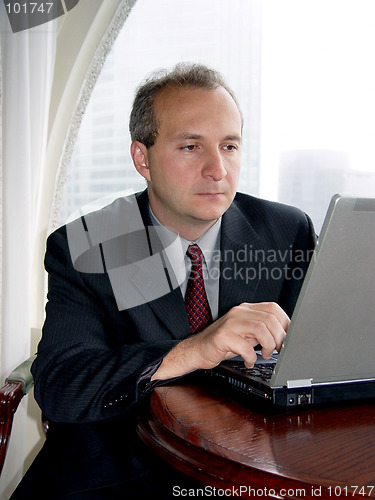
x,y
121,317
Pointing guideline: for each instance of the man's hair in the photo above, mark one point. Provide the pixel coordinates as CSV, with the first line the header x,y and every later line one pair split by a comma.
x,y
143,124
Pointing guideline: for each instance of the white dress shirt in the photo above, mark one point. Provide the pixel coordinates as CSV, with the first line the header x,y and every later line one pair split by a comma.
x,y
209,243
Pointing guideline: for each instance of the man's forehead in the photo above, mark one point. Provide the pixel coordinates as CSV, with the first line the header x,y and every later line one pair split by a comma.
x,y
184,104
192,136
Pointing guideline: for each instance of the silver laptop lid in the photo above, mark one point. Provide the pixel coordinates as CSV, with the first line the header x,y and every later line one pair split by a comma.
x,y
331,337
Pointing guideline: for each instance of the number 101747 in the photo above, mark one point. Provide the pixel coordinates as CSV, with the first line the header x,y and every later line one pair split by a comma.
x,y
29,7
350,491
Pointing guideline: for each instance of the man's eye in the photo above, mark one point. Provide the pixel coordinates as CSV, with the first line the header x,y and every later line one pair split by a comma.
x,y
230,147
190,147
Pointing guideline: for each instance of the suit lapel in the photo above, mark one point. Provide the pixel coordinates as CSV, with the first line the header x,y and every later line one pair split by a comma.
x,y
170,308
239,242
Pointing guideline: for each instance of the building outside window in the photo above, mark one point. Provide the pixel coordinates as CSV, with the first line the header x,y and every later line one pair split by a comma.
x,y
302,72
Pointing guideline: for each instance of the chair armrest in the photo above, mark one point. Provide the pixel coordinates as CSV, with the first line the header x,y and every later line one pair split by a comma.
x,y
17,385
23,374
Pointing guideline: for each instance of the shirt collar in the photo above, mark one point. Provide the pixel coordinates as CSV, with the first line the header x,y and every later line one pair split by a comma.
x,y
208,242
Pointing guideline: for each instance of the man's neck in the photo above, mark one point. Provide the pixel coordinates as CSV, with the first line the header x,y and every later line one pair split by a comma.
x,y
191,231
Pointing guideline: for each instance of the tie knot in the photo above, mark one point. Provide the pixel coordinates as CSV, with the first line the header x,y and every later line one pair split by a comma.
x,y
194,253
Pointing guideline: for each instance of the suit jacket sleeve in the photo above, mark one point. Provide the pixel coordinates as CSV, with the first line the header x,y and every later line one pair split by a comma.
x,y
91,354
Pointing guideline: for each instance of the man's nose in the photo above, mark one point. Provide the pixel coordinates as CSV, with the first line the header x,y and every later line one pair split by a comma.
x,y
214,166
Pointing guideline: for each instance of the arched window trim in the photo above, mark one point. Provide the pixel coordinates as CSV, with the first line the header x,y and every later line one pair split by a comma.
x,y
87,88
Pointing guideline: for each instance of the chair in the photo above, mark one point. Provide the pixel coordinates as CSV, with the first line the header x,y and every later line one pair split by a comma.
x,y
17,385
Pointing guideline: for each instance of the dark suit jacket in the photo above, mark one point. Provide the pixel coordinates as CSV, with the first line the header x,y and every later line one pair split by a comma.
x,y
92,356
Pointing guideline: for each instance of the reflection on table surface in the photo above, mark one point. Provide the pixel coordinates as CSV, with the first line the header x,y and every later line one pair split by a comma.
x,y
217,438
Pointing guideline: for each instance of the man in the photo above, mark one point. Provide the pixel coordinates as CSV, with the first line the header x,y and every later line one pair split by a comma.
x,y
114,330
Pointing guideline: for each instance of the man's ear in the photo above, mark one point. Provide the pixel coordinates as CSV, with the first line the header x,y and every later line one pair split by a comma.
x,y
139,153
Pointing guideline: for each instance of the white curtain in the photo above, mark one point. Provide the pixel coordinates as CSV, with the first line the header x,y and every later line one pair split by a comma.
x,y
28,59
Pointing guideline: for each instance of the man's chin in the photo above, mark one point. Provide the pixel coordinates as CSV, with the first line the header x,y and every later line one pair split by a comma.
x,y
212,207
209,215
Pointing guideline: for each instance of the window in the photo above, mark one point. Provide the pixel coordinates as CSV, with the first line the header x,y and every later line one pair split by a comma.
x,y
302,72
318,102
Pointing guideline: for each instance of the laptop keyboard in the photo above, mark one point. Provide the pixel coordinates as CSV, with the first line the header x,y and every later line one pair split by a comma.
x,y
260,370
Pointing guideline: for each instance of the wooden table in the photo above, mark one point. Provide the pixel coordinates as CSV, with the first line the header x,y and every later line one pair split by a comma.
x,y
253,451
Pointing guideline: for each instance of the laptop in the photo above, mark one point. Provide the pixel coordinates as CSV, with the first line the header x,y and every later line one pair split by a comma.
x,y
329,351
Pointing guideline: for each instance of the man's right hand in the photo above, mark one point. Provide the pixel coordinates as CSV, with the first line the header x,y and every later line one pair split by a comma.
x,y
236,333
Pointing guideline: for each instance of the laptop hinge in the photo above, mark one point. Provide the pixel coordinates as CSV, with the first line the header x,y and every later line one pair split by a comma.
x,y
303,382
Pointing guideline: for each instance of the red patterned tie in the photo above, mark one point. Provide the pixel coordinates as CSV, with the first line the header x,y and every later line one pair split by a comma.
x,y
198,310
